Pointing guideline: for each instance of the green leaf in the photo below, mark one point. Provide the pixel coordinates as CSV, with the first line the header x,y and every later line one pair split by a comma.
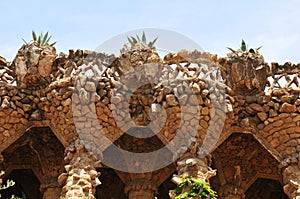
x,y
138,38
144,38
53,44
130,41
25,41
39,39
48,40
258,48
134,40
243,46
33,36
45,38
231,49
151,44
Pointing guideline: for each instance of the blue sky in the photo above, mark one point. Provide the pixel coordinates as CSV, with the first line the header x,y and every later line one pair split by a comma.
x,y
213,24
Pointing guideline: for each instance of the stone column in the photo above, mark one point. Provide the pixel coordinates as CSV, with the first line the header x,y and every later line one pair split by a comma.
x,y
50,189
81,178
141,189
195,167
291,177
231,192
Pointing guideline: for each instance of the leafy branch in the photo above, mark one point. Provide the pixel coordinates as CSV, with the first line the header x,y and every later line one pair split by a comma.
x,y
197,188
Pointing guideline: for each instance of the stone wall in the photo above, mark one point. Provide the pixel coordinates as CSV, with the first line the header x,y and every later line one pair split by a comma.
x,y
82,93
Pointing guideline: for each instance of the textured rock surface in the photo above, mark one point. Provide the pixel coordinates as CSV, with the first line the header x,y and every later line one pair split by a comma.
x,y
40,88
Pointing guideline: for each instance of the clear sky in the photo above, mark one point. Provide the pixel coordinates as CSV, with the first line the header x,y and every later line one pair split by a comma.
x,y
213,24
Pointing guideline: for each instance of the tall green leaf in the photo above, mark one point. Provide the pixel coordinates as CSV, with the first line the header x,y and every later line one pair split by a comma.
x,y
138,38
130,41
45,39
33,36
243,46
134,40
144,38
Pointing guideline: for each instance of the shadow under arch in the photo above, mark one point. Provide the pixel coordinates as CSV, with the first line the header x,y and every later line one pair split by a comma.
x,y
265,188
34,124
252,131
38,150
241,160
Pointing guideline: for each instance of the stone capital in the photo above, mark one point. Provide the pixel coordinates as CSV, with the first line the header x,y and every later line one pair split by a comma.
x,y
195,167
141,188
50,188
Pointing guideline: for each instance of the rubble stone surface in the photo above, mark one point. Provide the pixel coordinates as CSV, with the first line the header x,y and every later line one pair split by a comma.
x,y
83,93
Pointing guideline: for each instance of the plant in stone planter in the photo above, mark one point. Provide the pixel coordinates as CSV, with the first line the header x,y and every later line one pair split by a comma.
x,y
193,188
139,52
41,39
244,48
245,70
33,63
134,40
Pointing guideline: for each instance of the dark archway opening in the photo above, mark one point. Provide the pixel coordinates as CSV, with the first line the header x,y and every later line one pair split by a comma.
x,y
111,185
239,159
37,150
26,185
165,187
267,189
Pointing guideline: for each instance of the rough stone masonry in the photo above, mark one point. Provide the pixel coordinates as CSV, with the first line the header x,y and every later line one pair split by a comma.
x,y
42,90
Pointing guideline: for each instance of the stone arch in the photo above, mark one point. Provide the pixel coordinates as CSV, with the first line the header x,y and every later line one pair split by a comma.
x,y
26,183
32,124
240,160
255,133
38,150
265,188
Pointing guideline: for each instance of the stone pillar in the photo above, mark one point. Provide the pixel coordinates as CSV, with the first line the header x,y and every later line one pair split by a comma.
x,y
291,177
50,189
195,167
231,192
141,189
81,178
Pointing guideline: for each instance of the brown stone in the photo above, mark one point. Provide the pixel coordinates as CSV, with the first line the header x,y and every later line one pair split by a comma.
x,y
90,86
171,100
287,108
257,107
262,116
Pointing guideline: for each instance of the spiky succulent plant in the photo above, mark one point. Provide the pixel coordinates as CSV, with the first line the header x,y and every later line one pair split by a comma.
x,y
134,40
244,48
41,39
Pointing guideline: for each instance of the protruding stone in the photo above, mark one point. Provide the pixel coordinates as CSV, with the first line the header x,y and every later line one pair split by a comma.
x,y
287,108
262,116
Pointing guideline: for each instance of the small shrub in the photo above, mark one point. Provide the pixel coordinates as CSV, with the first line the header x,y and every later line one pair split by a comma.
x,y
197,189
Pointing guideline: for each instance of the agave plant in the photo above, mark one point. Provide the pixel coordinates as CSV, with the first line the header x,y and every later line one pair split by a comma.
x,y
132,40
41,39
244,48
